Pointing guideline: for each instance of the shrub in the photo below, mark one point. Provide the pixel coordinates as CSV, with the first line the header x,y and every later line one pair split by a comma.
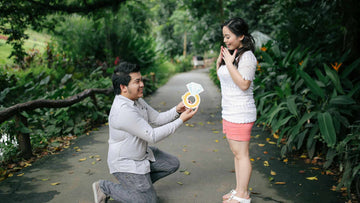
x,y
310,106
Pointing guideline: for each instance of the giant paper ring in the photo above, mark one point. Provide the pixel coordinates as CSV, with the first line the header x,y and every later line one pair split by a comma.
x,y
186,101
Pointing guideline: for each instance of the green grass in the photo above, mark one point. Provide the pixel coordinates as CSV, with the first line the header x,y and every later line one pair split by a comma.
x,y
36,41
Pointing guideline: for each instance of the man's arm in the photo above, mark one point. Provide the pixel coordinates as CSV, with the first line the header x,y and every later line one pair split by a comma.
x,y
162,118
130,121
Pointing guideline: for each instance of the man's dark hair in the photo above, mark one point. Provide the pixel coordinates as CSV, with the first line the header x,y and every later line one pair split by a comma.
x,y
122,76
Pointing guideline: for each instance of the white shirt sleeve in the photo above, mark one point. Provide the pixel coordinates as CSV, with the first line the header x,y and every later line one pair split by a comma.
x,y
247,65
131,121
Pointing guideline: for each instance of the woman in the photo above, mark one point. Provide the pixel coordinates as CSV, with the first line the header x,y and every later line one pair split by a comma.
x,y
236,67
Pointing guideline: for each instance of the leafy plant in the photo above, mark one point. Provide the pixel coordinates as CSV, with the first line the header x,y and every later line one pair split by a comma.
x,y
310,107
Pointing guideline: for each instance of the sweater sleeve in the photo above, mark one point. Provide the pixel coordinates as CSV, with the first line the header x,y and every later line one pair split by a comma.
x,y
247,66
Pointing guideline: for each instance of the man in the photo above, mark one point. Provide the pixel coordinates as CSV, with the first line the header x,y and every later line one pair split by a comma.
x,y
135,164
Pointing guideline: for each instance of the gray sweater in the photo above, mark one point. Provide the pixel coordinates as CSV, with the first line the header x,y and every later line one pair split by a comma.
x,y
130,131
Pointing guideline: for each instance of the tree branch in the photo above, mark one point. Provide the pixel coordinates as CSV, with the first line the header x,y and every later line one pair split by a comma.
x,y
46,103
73,8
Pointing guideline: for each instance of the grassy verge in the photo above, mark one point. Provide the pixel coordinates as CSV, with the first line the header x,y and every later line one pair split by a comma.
x,y
36,41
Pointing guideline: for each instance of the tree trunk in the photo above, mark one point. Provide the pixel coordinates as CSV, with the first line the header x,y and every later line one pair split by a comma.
x,y
184,51
23,139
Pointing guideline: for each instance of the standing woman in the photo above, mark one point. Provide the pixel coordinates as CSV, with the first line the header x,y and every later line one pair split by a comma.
x,y
236,67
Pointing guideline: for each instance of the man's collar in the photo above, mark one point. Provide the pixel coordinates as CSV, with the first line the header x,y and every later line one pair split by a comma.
x,y
125,99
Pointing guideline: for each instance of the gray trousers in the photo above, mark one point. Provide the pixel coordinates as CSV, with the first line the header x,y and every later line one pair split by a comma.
x,y
138,188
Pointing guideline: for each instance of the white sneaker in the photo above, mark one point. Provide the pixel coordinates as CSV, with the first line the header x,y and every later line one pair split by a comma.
x,y
99,195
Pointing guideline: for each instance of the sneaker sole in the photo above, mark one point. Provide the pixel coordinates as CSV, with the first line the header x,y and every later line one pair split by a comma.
x,y
95,192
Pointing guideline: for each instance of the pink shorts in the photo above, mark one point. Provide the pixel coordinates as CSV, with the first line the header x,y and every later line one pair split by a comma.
x,y
237,131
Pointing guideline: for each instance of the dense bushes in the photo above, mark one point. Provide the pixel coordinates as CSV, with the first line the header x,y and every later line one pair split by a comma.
x,y
311,106
40,82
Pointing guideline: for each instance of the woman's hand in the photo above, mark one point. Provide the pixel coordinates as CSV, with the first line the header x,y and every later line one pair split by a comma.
x,y
219,59
228,58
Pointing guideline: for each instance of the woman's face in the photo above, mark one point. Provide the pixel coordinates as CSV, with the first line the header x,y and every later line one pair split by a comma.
x,y
231,41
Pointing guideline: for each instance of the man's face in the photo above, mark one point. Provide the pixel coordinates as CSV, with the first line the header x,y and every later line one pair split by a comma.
x,y
135,88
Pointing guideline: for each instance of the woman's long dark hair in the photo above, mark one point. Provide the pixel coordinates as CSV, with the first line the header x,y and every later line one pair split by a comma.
x,y
239,27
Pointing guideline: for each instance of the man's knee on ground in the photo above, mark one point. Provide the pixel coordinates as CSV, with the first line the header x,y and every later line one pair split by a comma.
x,y
175,164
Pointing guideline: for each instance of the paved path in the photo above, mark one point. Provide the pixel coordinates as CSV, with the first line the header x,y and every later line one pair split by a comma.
x,y
201,148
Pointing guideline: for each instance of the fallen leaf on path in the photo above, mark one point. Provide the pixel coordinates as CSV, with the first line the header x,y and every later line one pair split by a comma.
x,y
252,159
216,131
257,136
276,136
200,123
184,150
301,171
280,183
267,139
186,172
216,140
303,156
98,159
210,123
314,168
273,173
285,160
57,183
94,162
215,150
21,174
265,152
312,178
180,183
271,142
328,172
83,159
266,163
45,179
261,145
10,175
76,147
271,178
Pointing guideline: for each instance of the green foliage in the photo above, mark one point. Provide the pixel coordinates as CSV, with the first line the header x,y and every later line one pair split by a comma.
x,y
105,36
44,124
310,107
17,16
348,153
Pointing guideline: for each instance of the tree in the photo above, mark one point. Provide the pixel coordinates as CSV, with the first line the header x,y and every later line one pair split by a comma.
x,y
18,15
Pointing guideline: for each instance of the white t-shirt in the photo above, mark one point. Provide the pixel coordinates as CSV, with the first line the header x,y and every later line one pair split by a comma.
x,y
238,106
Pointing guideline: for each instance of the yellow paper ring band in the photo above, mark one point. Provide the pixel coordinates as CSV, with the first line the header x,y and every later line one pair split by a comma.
x,y
186,101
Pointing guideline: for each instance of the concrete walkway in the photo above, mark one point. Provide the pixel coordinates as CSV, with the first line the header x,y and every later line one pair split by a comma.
x,y
206,171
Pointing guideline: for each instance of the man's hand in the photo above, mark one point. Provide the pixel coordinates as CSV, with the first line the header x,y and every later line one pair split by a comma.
x,y
180,107
188,114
